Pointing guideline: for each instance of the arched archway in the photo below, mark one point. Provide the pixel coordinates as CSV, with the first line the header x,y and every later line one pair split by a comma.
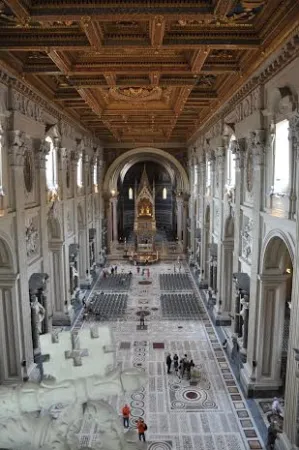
x,y
275,308
141,155
10,359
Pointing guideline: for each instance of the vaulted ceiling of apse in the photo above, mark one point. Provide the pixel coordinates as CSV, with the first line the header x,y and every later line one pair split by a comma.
x,y
141,71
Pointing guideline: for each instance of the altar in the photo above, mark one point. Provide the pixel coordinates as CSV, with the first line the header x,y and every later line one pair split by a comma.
x,y
145,223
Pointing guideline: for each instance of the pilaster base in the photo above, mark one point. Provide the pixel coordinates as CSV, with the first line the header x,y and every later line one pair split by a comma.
x,y
221,318
283,443
256,388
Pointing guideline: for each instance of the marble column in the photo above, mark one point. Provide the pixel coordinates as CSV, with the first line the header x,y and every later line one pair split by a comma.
x,y
290,434
114,222
41,156
219,191
185,231
256,145
238,149
16,159
180,206
202,189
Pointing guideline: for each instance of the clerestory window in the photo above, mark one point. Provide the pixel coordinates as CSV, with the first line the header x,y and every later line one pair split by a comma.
x,y
281,153
51,166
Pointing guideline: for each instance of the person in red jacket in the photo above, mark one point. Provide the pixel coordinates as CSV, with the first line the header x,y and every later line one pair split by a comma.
x,y
141,427
126,411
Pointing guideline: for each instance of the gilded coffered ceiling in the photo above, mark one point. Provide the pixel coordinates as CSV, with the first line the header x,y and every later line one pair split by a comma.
x,y
141,71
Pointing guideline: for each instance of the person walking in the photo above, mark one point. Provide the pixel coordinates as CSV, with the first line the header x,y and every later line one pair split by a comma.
x,y
176,363
141,317
126,411
141,427
183,363
168,362
272,436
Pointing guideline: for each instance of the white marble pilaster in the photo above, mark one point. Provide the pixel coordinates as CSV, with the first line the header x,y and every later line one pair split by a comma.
x,y
257,145
290,435
16,160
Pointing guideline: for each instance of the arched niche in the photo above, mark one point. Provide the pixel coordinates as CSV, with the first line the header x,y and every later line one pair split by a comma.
x,y
56,260
229,228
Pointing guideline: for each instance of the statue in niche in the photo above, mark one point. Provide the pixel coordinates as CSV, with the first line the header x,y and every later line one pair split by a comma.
x,y
148,211
39,313
142,210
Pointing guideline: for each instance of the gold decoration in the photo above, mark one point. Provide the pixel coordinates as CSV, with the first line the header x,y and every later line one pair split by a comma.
x,y
136,95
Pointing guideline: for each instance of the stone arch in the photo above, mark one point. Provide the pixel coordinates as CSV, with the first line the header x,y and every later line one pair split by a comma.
x,y
149,158
141,154
273,243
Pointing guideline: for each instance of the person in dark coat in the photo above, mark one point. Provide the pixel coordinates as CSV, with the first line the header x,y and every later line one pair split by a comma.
x,y
176,363
272,436
141,319
168,362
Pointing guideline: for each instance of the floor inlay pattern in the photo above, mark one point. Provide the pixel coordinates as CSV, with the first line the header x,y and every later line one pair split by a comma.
x,y
211,415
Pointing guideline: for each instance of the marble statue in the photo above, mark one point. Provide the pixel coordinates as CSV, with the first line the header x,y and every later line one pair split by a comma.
x,y
80,380
40,313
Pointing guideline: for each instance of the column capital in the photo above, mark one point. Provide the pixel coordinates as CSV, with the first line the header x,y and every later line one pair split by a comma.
x,y
257,146
17,148
220,157
41,154
238,149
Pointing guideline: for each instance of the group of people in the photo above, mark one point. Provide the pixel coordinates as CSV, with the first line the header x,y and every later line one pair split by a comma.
x,y
181,366
141,425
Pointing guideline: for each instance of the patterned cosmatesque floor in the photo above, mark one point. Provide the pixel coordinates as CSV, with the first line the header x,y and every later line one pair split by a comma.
x,y
209,416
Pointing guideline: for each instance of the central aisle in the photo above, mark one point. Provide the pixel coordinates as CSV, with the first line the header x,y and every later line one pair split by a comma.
x,y
211,415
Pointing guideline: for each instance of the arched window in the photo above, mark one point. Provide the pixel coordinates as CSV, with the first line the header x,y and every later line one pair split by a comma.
x,y
51,166
130,193
164,194
208,174
195,174
230,164
80,171
95,175
281,158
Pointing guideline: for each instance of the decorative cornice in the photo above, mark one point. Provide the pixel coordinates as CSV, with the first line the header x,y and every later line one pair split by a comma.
x,y
27,100
286,55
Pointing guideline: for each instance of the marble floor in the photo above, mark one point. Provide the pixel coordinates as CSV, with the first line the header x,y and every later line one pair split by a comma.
x,y
212,415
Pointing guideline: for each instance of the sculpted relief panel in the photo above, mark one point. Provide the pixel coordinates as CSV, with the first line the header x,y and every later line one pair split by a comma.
x,y
25,106
246,236
32,237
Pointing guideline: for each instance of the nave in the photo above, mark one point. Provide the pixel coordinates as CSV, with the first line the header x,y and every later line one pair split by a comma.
x,y
212,414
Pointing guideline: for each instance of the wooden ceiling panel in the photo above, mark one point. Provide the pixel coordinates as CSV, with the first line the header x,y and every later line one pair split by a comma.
x,y
137,69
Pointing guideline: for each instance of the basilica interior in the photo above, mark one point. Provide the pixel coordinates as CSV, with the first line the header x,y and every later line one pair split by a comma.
x,y
149,189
